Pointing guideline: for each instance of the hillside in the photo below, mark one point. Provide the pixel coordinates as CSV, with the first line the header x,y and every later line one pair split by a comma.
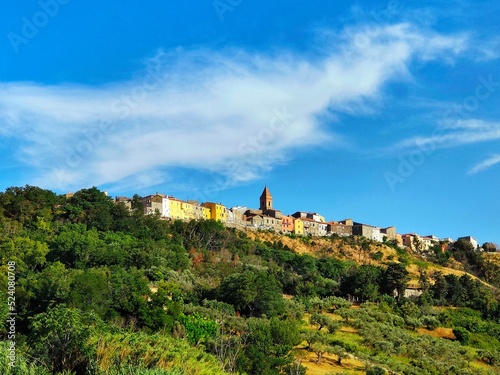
x,y
344,249
99,289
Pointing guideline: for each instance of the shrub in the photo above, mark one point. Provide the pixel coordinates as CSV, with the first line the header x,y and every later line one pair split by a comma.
x,y
377,256
431,322
60,338
22,364
375,371
462,335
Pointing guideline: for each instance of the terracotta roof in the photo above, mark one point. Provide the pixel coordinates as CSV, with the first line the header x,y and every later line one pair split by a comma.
x,y
311,220
266,192
254,216
175,199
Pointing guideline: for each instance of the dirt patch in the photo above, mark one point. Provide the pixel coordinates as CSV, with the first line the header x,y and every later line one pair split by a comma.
x,y
329,365
349,329
445,333
293,243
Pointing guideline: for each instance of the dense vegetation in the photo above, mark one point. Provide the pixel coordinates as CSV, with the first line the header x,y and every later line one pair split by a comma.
x,y
101,289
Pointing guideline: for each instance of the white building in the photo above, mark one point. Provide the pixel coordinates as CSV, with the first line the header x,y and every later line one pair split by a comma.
x,y
165,207
470,240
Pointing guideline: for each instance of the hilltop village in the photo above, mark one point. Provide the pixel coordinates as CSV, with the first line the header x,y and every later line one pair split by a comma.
x,y
266,217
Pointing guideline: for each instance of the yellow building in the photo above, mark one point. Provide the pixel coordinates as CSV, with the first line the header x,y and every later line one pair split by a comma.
x,y
193,210
188,211
176,212
206,213
217,211
299,227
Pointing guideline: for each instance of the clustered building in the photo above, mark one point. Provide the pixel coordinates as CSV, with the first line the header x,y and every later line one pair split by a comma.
x,y
266,217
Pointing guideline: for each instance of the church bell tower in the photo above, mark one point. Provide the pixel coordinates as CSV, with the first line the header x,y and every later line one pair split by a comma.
x,y
266,200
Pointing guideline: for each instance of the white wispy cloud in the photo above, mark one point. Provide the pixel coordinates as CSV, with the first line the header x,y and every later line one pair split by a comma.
x,y
488,50
454,134
232,113
485,164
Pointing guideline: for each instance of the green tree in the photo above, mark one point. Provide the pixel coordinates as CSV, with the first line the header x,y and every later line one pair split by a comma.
x,y
362,282
396,279
439,289
411,314
296,367
75,246
490,247
320,349
160,312
116,249
228,347
418,245
50,287
319,319
90,291
431,322
269,345
28,205
59,338
177,257
331,268
333,326
375,370
324,321
29,254
285,335
471,258
454,290
129,293
340,352
310,336
334,303
252,293
423,279
439,256
91,207
462,335
346,313
207,235
383,346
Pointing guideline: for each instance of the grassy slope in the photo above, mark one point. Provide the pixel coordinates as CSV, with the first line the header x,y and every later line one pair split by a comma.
x,y
353,365
317,247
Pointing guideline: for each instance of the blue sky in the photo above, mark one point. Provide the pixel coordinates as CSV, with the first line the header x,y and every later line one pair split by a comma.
x,y
383,111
